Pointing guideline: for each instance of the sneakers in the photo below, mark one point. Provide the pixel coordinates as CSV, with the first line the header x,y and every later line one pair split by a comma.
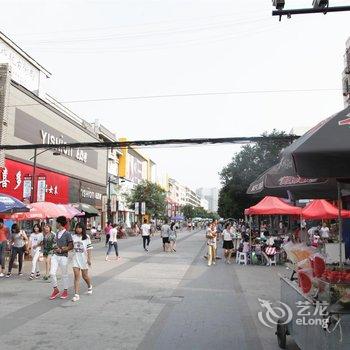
x,y
89,290
64,294
2,275
75,298
37,275
55,293
20,274
107,258
31,276
8,275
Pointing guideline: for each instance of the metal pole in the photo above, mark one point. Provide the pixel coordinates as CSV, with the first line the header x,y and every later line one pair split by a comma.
x,y
33,176
340,226
304,11
109,209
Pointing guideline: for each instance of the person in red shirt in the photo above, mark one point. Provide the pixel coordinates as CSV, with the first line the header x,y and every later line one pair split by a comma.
x,y
4,233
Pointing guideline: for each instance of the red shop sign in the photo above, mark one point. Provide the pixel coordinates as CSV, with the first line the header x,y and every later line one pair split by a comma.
x,y
15,180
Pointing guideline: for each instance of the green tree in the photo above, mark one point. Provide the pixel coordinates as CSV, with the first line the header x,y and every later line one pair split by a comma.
x,y
152,194
245,167
188,211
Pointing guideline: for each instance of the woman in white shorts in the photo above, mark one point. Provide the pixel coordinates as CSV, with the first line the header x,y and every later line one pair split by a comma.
x,y
81,259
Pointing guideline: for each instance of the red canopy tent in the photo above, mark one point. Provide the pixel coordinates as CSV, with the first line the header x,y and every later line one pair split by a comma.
x,y
322,209
273,206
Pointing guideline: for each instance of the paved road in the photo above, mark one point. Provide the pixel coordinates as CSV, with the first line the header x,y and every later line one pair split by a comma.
x,y
152,300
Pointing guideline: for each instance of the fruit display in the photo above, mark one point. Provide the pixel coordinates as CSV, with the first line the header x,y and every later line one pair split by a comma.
x,y
336,275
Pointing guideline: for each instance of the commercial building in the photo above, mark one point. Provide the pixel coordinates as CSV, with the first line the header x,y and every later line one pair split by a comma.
x,y
30,116
211,195
192,198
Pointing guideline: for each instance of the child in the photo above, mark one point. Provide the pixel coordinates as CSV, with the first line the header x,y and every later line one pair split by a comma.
x,y
81,259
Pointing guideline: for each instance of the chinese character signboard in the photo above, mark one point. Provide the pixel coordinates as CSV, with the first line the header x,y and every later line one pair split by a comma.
x,y
137,208
41,190
143,208
16,181
27,187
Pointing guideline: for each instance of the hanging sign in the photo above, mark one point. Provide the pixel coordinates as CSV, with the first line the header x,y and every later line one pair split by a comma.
x,y
41,191
143,208
137,208
27,187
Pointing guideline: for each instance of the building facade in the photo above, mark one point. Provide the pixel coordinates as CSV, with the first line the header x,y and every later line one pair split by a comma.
x,y
346,75
211,195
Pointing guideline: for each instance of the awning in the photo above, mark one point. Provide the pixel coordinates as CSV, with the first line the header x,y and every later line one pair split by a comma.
x,y
322,209
88,209
273,206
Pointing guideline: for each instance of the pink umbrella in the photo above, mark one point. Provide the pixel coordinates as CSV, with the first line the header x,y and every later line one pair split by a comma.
x,y
71,212
32,214
48,209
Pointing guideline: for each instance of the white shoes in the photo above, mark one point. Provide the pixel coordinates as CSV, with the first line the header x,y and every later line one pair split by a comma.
x,y
89,290
107,258
76,298
2,275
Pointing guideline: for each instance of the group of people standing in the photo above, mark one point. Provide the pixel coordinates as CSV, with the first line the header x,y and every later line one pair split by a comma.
x,y
230,236
54,246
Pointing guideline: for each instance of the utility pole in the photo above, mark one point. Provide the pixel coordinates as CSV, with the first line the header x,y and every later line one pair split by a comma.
x,y
33,176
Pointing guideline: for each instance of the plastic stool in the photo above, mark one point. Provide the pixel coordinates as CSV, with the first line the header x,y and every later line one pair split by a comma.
x,y
272,261
243,258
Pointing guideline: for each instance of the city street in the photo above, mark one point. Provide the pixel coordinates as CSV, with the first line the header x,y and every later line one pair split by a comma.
x,y
152,300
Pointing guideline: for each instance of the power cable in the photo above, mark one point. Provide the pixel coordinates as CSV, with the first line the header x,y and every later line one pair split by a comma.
x,y
121,144
194,94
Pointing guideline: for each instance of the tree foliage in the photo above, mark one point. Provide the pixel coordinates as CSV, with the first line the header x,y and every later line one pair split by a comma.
x,y
245,167
152,194
191,212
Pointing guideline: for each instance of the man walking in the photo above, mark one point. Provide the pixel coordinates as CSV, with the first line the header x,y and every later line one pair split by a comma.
x,y
145,231
165,232
63,244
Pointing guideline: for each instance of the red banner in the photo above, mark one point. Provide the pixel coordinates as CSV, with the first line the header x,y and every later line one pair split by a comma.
x,y
14,180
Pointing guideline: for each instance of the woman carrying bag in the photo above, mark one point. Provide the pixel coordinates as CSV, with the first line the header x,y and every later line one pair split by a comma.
x,y
18,242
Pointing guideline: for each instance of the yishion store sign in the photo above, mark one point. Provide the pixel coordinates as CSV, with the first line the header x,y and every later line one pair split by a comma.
x,y
35,131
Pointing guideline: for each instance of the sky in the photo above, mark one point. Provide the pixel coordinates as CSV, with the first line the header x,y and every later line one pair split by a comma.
x,y
138,48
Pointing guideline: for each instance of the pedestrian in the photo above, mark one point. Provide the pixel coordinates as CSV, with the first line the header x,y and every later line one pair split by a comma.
x,y
164,233
48,244
211,243
173,237
36,241
4,236
145,231
108,227
63,244
113,241
227,237
18,243
81,259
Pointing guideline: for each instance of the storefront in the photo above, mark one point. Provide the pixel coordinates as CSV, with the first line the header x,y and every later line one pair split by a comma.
x,y
72,175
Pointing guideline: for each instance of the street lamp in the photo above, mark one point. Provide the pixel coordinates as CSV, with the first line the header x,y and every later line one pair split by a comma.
x,y
55,153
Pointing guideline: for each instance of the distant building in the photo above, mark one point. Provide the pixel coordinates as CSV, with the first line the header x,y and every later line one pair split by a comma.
x,y
211,195
346,75
192,198
204,204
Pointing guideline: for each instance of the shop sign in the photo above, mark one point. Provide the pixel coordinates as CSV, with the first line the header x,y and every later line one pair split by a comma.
x,y
137,208
85,193
35,131
27,187
135,169
22,71
143,208
41,190
16,181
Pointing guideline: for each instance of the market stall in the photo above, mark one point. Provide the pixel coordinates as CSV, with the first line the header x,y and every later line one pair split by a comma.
x,y
321,152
